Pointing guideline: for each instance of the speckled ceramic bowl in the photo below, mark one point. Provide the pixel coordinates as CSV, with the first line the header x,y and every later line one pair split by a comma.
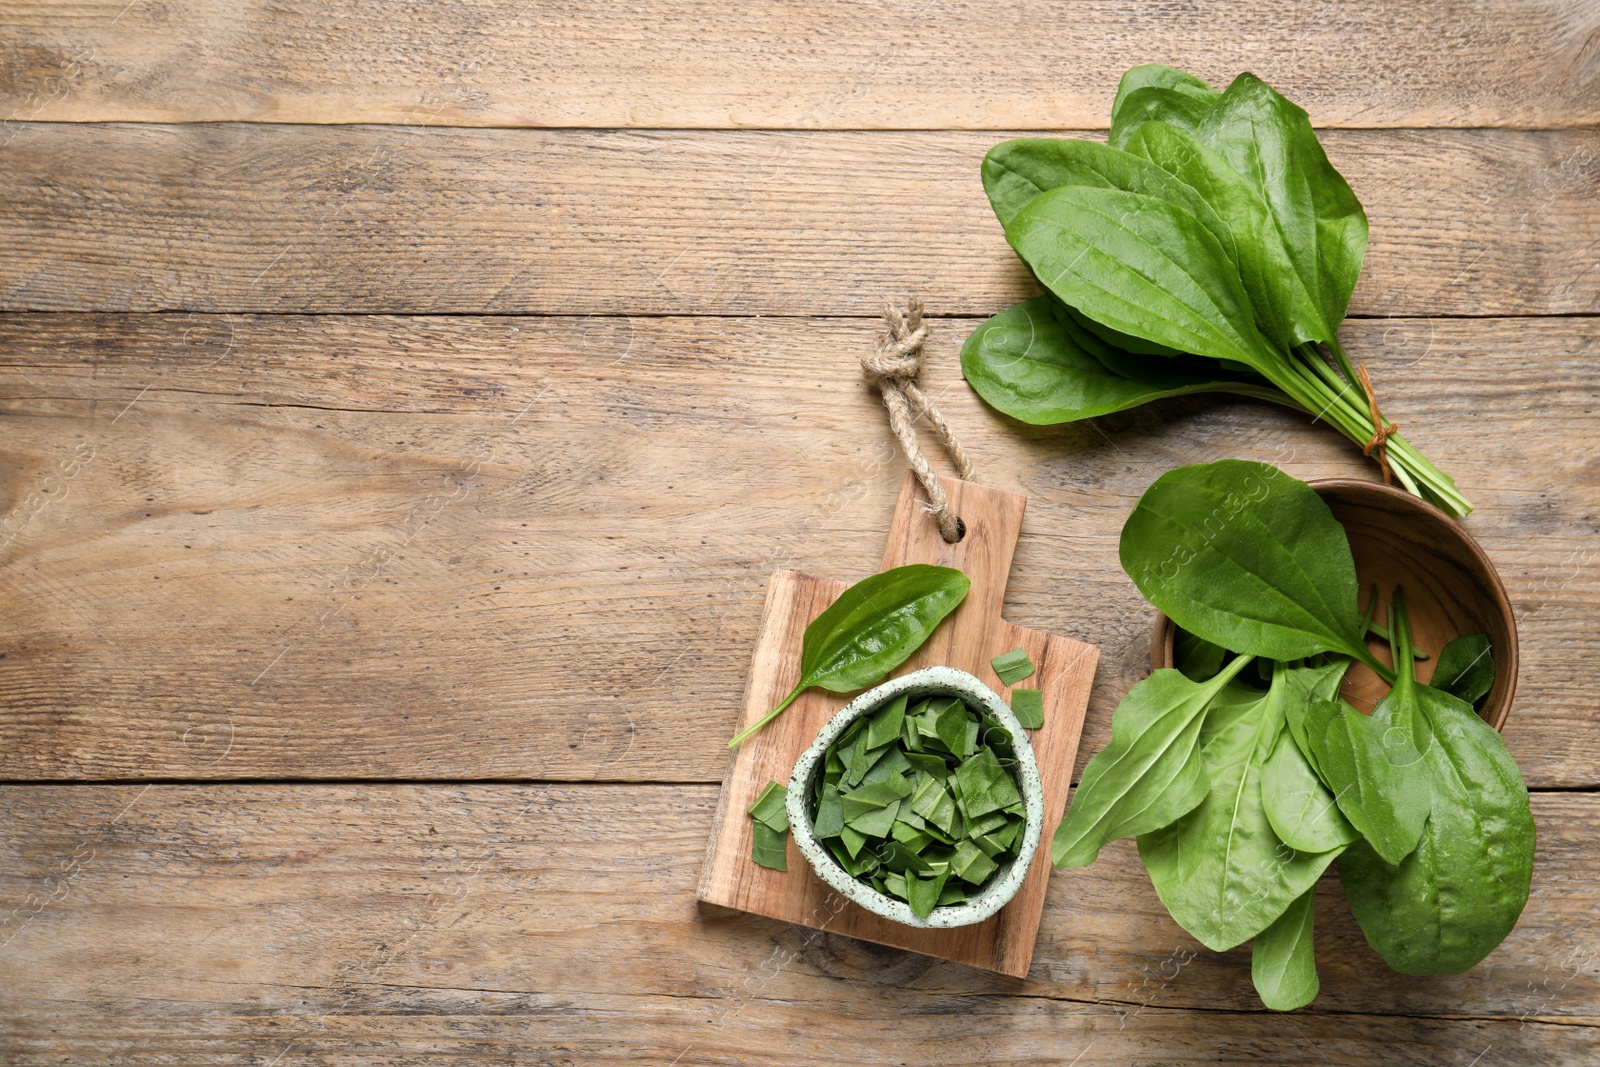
x,y
930,681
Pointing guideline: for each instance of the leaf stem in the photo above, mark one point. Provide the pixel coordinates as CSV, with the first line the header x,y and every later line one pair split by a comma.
x,y
1345,368
1341,410
1274,393
1406,480
1342,387
1369,617
1376,665
1400,626
1312,386
1226,674
773,714
1377,629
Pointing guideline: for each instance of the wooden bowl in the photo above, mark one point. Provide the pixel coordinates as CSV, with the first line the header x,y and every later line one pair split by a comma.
x,y
1451,588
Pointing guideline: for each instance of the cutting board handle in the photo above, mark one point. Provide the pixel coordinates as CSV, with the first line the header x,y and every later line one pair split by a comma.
x,y
993,522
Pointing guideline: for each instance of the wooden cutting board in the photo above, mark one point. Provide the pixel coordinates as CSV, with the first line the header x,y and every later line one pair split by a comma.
x,y
972,635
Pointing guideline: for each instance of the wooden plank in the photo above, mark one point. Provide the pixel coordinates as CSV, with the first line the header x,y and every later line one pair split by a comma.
x,y
322,219
517,547
968,640
888,63
456,923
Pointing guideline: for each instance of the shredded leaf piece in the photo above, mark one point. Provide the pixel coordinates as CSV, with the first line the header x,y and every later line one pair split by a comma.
x,y
1028,706
1013,666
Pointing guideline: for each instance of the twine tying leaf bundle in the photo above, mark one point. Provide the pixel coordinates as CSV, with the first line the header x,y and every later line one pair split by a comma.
x,y
894,368
1381,430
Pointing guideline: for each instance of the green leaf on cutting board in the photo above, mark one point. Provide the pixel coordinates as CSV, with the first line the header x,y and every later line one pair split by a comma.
x,y
769,829
872,628
1012,667
1028,706
769,808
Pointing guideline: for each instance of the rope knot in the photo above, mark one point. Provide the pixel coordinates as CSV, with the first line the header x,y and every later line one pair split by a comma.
x,y
894,369
899,355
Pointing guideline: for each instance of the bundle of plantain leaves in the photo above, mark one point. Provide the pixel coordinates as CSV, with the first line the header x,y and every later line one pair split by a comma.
x,y
1209,247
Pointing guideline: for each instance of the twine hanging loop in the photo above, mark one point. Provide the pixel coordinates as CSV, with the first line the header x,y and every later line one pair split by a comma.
x,y
894,368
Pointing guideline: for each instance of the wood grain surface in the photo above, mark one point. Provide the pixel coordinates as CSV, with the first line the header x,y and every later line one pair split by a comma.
x,y
424,547
894,64
537,924
383,219
968,639
405,405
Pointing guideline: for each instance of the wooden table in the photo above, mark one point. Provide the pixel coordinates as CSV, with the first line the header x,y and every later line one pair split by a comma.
x,y
405,405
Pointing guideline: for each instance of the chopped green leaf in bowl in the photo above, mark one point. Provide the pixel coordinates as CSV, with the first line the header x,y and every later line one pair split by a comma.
x,y
921,800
